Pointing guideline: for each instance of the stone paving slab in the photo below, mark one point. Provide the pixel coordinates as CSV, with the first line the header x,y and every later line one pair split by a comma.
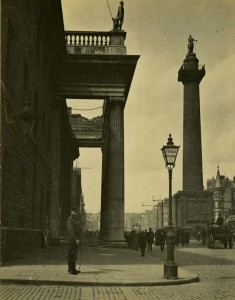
x,y
101,267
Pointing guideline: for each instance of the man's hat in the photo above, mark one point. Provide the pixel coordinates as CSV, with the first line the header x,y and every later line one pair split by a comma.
x,y
121,2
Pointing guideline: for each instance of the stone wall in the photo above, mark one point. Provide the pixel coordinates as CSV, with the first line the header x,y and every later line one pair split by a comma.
x,y
28,57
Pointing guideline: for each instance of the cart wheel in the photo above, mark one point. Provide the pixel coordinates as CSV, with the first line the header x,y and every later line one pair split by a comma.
x,y
212,242
230,243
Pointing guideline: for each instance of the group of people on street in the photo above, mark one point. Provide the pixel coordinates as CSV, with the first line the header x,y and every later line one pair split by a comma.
x,y
146,240
160,238
182,237
143,239
202,236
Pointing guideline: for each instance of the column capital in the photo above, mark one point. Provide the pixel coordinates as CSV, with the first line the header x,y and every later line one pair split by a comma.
x,y
117,100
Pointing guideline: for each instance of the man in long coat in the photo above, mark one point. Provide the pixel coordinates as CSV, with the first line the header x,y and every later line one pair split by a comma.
x,y
74,230
150,239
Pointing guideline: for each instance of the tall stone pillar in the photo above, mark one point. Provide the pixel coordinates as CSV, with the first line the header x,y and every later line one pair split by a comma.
x,y
56,159
193,203
191,75
114,202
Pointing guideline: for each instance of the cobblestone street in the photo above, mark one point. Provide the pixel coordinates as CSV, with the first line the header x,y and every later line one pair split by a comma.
x,y
220,289
216,269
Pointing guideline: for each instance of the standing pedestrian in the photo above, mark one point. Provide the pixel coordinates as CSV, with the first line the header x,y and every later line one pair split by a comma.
x,y
142,242
74,230
162,239
220,220
185,237
177,239
150,239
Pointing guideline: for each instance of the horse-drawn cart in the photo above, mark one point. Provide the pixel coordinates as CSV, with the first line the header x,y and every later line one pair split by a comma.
x,y
219,234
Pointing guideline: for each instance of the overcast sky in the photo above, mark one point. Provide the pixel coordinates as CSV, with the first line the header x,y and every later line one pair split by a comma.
x,y
158,31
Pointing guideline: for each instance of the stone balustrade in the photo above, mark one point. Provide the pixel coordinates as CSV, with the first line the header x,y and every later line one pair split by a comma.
x,y
95,42
87,38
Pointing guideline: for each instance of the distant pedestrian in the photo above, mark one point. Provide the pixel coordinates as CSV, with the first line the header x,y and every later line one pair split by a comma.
x,y
185,237
127,236
220,220
150,239
162,239
74,230
211,223
142,242
177,239
203,236
134,240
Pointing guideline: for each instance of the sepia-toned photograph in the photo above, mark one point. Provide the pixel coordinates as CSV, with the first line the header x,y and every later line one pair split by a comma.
x,y
117,149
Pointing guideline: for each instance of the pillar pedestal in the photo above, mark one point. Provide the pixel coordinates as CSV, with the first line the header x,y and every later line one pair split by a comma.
x,y
193,208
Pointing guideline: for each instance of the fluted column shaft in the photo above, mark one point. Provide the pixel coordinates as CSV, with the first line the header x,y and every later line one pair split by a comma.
x,y
192,147
104,185
191,75
114,231
56,158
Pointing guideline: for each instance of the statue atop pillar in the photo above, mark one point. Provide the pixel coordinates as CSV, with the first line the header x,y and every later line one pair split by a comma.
x,y
118,20
191,41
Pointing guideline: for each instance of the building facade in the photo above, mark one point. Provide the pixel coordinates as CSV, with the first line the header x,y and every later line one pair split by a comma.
x,y
223,190
42,66
35,131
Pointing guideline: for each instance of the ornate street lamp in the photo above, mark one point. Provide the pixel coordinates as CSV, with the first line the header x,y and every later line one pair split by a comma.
x,y
170,152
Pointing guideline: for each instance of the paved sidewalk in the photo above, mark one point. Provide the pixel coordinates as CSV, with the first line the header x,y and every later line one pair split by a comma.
x,y
100,267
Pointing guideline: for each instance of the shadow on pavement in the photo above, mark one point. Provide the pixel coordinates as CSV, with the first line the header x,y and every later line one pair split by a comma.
x,y
57,255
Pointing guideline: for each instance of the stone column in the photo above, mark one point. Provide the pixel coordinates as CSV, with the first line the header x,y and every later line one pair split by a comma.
x,y
191,75
56,159
192,201
114,223
104,186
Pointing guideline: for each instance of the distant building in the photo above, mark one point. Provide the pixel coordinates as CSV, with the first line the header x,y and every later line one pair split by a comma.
x,y
92,221
162,210
223,190
76,188
132,220
153,218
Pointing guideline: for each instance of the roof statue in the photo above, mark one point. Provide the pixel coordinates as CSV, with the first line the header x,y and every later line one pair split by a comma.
x,y
119,19
191,41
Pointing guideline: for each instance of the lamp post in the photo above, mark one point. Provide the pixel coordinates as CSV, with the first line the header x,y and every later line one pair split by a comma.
x,y
170,152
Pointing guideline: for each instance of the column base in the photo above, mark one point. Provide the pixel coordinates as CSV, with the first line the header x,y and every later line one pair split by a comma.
x,y
170,271
115,244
